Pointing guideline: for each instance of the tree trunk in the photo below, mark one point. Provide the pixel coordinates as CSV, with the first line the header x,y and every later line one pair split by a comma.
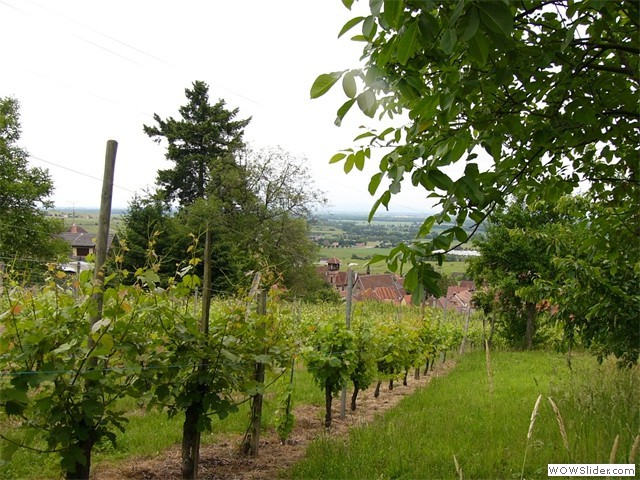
x,y
376,394
328,399
191,442
354,397
416,374
426,368
391,384
82,471
406,374
531,315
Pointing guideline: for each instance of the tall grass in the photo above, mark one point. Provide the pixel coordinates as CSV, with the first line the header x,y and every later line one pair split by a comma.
x,y
453,419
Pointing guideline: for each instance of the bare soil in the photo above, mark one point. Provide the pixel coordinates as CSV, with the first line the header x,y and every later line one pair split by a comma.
x,y
224,460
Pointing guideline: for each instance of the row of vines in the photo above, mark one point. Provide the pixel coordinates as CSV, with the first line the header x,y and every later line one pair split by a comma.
x,y
62,378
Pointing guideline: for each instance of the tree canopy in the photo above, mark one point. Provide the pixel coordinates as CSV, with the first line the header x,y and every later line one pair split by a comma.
x,y
252,203
492,98
515,253
201,144
26,234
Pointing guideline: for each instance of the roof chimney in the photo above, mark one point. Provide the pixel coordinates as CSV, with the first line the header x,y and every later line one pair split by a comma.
x,y
73,228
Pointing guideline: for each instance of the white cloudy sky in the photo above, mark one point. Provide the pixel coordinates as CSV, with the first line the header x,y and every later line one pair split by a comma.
x,y
86,71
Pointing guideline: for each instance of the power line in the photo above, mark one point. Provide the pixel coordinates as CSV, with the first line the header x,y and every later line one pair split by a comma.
x,y
100,33
166,64
78,172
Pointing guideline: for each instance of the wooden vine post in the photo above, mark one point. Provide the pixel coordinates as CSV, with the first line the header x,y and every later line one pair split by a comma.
x,y
343,396
251,441
190,433
83,469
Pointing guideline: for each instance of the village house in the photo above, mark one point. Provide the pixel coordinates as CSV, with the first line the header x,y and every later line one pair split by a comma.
x,y
383,287
82,242
457,298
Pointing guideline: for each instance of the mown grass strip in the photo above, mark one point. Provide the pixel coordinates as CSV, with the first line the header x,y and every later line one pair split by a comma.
x,y
486,431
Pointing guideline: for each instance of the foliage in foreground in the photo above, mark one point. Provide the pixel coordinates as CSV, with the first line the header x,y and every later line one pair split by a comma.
x,y
535,99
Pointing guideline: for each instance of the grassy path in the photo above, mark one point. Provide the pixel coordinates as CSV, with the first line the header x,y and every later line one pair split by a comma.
x,y
486,431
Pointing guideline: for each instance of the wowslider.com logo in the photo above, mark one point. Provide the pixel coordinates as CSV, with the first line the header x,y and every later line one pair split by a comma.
x,y
591,469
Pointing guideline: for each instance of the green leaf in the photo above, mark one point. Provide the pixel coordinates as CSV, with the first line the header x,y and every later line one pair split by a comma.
x,y
367,103
364,135
426,226
349,84
151,278
342,111
359,160
369,28
374,183
393,12
7,451
378,257
458,232
496,16
349,25
14,394
479,49
105,322
348,3
459,147
375,6
440,180
417,295
349,163
337,157
324,83
470,22
407,43
448,40
229,356
66,346
411,279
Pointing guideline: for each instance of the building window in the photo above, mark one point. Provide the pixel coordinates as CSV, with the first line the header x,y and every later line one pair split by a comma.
x,y
82,251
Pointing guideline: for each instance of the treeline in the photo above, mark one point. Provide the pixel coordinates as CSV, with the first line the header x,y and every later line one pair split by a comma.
x,y
247,208
349,233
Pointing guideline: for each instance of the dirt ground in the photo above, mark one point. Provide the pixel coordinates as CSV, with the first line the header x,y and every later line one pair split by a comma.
x,y
224,461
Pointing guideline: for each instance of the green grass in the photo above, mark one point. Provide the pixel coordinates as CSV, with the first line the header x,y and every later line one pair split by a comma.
x,y
456,415
149,432
487,433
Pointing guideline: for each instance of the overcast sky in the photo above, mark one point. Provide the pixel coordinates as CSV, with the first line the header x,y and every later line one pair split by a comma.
x,y
86,72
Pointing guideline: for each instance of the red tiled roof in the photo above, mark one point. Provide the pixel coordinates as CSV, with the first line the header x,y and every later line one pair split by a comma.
x,y
468,284
455,289
377,281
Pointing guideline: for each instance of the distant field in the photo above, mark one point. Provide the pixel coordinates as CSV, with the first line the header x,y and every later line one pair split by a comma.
x,y
88,219
346,256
